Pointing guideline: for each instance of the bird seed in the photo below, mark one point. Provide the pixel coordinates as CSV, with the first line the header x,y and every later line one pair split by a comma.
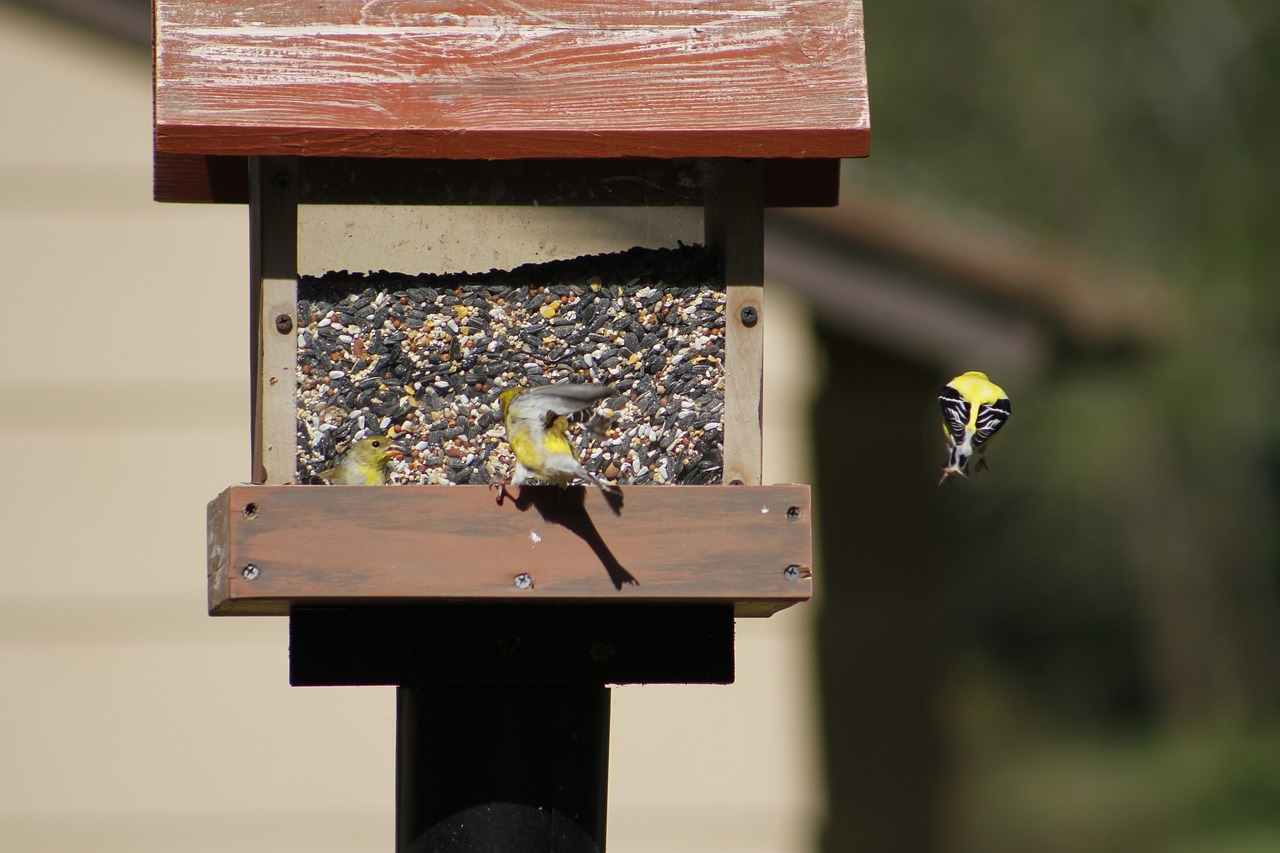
x,y
424,357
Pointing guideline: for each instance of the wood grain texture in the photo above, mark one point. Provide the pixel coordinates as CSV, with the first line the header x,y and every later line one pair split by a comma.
x,y
359,544
621,182
735,230
273,297
500,79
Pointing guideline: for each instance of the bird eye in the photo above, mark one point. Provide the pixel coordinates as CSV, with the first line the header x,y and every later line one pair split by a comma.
x,y
377,444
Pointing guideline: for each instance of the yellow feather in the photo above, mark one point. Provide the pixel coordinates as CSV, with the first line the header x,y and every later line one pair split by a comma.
x,y
975,387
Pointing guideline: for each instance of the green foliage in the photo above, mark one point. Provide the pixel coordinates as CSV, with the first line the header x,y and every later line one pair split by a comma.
x,y
1028,784
1144,130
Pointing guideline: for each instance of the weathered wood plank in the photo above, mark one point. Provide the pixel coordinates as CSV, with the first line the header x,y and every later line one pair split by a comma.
x,y
273,298
615,182
271,547
505,79
735,229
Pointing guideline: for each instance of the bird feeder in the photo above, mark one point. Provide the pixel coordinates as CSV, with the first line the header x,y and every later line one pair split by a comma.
x,y
503,623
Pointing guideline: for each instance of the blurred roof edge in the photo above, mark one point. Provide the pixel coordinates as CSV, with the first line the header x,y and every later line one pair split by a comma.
x,y
1094,306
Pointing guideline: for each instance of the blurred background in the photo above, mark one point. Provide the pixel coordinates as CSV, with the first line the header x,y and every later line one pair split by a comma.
x,y
1076,651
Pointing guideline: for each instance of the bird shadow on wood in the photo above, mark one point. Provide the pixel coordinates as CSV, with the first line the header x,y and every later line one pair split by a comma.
x,y
566,506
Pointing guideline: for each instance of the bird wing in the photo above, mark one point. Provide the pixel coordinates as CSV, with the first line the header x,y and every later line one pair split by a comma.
x,y
547,401
955,413
991,416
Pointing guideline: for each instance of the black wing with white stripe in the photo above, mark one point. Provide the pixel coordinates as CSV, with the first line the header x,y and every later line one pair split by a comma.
x,y
955,413
991,416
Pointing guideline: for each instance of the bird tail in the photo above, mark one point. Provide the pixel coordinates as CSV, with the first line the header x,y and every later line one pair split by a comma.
x,y
599,482
957,466
603,485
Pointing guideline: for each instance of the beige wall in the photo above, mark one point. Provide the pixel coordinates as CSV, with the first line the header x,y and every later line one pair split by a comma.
x,y
130,720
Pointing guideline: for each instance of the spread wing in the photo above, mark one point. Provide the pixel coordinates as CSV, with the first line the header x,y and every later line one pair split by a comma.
x,y
991,416
546,402
955,413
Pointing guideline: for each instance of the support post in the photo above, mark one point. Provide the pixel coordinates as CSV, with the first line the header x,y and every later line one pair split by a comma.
x,y
514,768
734,227
273,309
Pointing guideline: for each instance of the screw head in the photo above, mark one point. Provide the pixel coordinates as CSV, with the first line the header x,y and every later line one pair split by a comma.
x,y
284,324
250,572
749,315
735,482
523,581
791,572
793,513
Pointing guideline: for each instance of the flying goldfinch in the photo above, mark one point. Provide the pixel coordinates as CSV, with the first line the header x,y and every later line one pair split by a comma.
x,y
538,431
364,465
973,409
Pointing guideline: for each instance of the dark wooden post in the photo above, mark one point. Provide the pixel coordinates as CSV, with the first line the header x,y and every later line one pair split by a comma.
x,y
502,767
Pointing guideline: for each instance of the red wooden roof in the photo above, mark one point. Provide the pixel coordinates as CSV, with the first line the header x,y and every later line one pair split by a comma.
x,y
500,79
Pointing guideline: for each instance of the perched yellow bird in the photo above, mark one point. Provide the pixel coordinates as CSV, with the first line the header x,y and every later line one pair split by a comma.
x,y
973,409
538,432
365,463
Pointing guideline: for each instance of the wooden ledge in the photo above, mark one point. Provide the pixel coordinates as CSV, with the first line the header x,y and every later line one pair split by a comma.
x,y
275,547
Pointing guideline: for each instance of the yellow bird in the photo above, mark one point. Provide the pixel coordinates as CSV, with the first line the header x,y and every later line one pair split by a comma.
x,y
538,432
973,410
365,463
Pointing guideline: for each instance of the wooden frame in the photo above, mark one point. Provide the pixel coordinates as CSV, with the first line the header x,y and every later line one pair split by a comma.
x,y
273,307
733,194
753,567
735,229
274,547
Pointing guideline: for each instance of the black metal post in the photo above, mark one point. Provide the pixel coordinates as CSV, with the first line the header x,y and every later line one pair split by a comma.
x,y
512,768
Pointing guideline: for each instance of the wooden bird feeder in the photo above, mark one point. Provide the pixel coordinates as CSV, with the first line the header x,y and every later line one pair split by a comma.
x,y
502,624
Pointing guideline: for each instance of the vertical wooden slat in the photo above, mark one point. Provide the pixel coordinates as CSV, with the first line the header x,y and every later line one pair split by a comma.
x,y
273,301
734,227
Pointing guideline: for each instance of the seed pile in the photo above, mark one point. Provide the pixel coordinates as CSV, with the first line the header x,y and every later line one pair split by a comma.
x,y
423,359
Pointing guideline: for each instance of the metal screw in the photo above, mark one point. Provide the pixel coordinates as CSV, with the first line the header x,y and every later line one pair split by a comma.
x,y
281,180
791,572
735,482
250,572
749,316
523,581
284,324
250,510
793,513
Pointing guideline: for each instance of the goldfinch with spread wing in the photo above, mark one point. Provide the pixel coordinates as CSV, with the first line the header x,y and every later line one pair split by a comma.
x,y
364,465
973,410
538,431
